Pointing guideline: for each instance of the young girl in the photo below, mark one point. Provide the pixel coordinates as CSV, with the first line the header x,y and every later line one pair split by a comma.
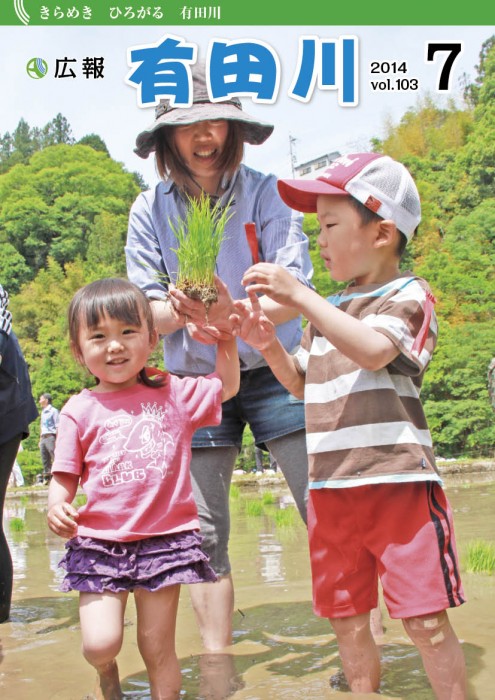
x,y
127,442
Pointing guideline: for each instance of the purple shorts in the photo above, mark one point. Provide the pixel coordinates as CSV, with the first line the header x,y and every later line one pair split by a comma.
x,y
94,566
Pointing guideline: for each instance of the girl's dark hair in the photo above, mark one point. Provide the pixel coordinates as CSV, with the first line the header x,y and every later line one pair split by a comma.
x,y
170,164
114,297
367,216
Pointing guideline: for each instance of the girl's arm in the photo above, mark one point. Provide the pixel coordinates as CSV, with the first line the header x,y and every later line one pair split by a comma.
x,y
227,367
62,516
256,329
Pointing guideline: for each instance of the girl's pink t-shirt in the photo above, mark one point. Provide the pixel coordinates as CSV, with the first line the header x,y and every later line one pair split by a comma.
x,y
132,451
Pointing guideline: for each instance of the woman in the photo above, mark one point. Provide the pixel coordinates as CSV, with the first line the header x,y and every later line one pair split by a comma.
x,y
199,150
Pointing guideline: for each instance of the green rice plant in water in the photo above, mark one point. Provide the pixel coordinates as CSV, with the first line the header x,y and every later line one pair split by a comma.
x,y
286,517
253,507
17,525
234,492
199,237
268,498
480,557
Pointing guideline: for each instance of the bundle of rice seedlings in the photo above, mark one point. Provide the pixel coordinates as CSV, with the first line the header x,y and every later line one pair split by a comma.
x,y
199,237
480,557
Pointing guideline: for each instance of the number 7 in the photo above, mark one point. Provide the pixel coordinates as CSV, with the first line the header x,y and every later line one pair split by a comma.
x,y
455,49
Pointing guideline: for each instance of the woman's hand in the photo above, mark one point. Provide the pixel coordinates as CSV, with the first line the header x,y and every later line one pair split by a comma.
x,y
62,520
194,311
208,335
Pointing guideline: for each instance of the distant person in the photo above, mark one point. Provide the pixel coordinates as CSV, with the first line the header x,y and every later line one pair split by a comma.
x,y
17,411
376,505
16,477
259,459
127,442
48,434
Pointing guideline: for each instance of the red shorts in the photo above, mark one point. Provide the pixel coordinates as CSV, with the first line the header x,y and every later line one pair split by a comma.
x,y
402,533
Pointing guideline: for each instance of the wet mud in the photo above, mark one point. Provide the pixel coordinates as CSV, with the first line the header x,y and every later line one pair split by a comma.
x,y
281,650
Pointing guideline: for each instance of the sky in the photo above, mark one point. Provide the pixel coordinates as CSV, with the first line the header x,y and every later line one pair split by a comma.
x,y
109,106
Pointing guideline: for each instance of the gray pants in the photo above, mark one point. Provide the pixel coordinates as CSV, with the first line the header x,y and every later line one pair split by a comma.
x,y
47,451
212,469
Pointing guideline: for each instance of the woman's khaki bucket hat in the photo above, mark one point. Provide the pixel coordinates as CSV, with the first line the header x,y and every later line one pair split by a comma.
x,y
202,109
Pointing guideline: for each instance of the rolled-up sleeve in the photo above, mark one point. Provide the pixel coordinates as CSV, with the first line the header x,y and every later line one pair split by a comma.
x,y
145,265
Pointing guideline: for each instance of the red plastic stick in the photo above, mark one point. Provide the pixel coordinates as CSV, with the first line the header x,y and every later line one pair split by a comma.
x,y
250,229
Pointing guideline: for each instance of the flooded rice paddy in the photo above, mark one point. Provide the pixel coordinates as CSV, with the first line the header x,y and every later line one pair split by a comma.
x,y
281,650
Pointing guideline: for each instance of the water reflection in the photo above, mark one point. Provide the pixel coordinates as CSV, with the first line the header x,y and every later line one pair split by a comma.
x,y
271,558
281,650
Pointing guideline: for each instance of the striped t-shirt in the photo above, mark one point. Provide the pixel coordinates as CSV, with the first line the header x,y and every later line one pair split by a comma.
x,y
369,427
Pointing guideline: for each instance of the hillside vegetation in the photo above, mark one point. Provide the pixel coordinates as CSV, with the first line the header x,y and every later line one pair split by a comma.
x,y
63,221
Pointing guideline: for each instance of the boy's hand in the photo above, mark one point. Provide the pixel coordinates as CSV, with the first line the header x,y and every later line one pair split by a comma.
x,y
273,280
62,519
252,325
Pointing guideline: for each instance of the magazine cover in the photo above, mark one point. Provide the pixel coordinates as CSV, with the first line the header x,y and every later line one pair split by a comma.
x,y
80,83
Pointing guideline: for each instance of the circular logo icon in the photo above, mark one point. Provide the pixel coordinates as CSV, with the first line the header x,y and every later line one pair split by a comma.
x,y
37,68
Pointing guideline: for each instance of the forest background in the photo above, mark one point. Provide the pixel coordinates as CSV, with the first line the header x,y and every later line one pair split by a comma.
x,y
63,220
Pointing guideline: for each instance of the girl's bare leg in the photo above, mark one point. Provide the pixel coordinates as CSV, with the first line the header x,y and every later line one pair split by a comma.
x,y
358,652
102,629
156,618
441,653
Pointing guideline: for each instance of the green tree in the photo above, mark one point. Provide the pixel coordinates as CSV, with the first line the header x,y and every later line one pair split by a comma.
x,y
56,132
13,269
472,90
455,390
40,316
95,142
49,206
105,254
20,146
476,161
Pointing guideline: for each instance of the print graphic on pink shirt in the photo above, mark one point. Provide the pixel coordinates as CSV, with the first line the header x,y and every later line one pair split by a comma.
x,y
145,439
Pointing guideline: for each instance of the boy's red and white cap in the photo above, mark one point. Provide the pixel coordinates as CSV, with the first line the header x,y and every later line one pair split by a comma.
x,y
377,181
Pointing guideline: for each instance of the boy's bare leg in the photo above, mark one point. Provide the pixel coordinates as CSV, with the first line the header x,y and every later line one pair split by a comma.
x,y
213,605
358,652
376,623
441,653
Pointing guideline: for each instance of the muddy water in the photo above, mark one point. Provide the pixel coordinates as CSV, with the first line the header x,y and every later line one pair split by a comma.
x,y
281,650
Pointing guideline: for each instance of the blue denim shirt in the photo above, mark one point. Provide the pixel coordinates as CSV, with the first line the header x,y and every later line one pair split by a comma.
x,y
150,241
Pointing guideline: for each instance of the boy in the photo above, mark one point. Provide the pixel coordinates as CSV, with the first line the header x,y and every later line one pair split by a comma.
x,y
376,505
